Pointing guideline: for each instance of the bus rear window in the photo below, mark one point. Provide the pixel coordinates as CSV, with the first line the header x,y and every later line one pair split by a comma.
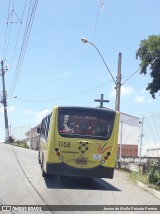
x,y
91,123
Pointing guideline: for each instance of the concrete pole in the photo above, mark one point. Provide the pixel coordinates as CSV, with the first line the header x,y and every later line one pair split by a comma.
x,y
4,101
141,141
118,84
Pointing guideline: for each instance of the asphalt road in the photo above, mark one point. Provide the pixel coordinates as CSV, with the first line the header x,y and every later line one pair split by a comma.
x,y
21,183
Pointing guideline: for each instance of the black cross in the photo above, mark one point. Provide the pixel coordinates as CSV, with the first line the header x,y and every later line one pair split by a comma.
x,y
101,101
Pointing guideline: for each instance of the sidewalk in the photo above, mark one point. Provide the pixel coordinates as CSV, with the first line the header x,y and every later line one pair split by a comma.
x,y
152,191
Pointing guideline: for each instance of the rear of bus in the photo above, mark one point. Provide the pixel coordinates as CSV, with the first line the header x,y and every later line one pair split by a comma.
x,y
82,142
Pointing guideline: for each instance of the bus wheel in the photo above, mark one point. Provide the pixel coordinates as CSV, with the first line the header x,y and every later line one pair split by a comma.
x,y
44,174
39,160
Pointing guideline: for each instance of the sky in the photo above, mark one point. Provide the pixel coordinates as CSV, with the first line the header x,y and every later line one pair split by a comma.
x,y
57,69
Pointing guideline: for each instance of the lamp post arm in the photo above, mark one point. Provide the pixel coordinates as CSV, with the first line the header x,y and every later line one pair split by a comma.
x,y
103,61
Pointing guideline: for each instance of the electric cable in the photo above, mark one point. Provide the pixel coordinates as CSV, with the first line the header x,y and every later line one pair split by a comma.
x,y
100,6
63,98
130,76
24,46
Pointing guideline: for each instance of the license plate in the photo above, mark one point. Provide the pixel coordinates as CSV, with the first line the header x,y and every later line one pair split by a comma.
x,y
81,162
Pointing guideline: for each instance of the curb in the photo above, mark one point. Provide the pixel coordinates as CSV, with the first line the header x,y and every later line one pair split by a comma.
x,y
152,191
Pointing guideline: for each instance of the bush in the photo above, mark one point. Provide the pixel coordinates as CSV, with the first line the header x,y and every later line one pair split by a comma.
x,y
11,139
20,143
153,176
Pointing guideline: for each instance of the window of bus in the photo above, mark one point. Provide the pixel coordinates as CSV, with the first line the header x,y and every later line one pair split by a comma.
x,y
85,123
45,127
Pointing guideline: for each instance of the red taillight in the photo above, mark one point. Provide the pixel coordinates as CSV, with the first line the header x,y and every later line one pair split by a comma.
x,y
105,157
58,153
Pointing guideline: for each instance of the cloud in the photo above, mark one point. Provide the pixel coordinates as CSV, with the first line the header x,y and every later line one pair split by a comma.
x,y
125,91
62,75
66,74
151,100
9,108
113,92
41,114
144,97
139,99
28,111
38,115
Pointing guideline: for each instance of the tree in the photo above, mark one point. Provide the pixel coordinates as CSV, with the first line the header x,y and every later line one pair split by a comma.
x,y
11,139
149,54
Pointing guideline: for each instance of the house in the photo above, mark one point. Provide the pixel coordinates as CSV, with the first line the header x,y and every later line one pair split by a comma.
x,y
33,138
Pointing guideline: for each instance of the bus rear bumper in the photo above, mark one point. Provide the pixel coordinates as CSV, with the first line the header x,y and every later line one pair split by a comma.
x,y
65,170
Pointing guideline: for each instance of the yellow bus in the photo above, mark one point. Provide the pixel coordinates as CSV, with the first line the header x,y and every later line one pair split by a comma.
x,y
79,141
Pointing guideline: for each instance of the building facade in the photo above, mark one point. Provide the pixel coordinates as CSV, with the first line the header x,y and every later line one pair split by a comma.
x,y
33,138
155,152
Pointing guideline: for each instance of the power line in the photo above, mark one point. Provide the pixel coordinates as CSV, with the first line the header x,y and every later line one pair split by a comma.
x,y
8,10
130,76
18,34
6,34
10,21
54,75
15,14
67,97
27,32
17,71
152,116
100,7
147,132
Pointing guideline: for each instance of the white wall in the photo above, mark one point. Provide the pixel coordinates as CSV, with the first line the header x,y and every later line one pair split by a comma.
x,y
128,129
153,152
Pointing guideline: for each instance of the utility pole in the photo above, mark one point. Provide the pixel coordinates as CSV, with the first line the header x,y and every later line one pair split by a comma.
x,y
101,101
118,83
141,140
4,101
118,79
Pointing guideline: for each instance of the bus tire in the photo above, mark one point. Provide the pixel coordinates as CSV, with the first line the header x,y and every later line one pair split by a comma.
x,y
44,174
39,160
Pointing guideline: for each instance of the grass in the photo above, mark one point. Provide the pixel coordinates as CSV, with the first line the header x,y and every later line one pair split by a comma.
x,y
20,144
135,176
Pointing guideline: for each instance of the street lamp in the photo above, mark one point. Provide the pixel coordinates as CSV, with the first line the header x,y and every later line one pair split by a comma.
x,y
84,40
118,81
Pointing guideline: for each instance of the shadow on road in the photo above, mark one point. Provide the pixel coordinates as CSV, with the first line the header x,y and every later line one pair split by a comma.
x,y
78,183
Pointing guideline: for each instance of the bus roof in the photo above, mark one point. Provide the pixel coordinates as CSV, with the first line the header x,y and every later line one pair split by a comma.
x,y
87,108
